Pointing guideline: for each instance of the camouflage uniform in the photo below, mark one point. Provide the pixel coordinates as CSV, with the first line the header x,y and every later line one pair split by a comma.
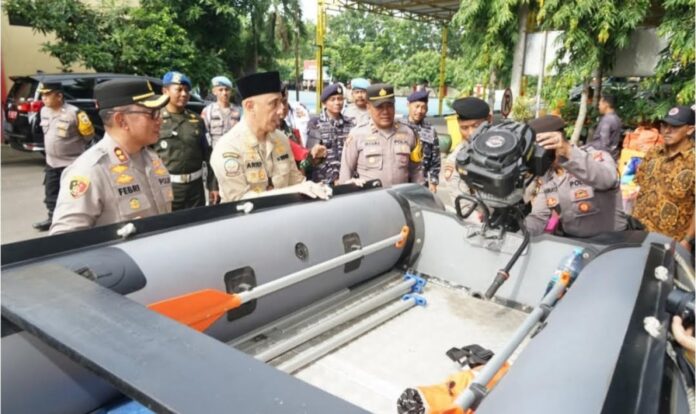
x,y
332,134
431,150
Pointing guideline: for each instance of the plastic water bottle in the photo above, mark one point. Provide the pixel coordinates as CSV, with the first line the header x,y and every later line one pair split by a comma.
x,y
572,264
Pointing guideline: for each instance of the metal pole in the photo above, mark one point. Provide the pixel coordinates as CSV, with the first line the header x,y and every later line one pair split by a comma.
x,y
297,57
375,302
291,279
345,336
320,53
468,397
542,71
443,62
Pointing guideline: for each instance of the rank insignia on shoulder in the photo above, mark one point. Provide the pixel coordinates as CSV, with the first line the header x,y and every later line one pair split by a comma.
x,y
119,168
124,179
134,203
120,154
78,186
161,171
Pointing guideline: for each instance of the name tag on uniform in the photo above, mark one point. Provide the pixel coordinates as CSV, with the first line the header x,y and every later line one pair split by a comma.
x,y
129,189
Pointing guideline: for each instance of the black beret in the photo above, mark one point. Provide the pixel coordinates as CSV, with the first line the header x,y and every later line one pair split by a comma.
x,y
680,115
129,91
259,84
421,95
547,123
471,108
380,93
331,90
49,87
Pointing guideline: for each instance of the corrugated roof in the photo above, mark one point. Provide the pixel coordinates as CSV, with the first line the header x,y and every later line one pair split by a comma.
x,y
433,11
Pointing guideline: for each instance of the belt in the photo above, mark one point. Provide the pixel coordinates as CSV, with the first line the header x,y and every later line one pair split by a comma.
x,y
186,178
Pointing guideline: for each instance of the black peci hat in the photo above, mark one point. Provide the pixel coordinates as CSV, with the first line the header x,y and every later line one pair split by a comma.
x,y
258,84
547,123
471,108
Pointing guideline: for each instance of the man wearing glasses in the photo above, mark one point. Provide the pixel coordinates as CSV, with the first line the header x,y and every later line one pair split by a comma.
x,y
183,146
119,178
665,201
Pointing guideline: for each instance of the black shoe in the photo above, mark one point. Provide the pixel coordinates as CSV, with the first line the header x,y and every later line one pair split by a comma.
x,y
42,225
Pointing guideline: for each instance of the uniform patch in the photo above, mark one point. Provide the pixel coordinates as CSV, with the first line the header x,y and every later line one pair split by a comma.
x,y
254,164
283,157
232,167
673,111
581,194
164,144
119,168
120,154
230,155
551,202
161,171
134,204
448,172
78,186
129,189
584,207
124,179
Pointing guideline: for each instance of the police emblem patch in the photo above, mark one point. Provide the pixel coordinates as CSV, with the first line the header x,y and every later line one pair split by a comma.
x,y
124,179
78,186
382,92
134,203
673,111
232,167
584,207
581,194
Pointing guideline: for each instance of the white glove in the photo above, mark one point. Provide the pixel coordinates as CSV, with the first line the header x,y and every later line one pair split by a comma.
x,y
315,190
356,181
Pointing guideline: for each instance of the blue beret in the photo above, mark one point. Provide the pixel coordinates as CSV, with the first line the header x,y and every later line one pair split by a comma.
x,y
421,95
222,81
331,90
176,78
359,83
471,108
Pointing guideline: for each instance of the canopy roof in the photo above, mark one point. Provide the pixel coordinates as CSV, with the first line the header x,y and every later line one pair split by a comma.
x,y
431,11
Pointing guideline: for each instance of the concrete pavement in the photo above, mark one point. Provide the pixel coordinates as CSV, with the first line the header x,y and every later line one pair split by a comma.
x,y
21,195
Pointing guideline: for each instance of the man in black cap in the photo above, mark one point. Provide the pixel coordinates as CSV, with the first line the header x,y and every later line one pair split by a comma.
x,y
417,110
665,201
120,178
326,135
66,132
471,114
579,196
254,158
383,148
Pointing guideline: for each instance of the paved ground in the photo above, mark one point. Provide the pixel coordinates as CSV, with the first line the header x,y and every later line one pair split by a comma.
x,y
21,194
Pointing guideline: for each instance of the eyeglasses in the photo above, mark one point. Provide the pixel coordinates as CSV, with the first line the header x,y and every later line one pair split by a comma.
x,y
154,114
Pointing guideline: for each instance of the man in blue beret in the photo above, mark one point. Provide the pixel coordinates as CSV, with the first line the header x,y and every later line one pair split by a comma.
x,y
326,135
182,145
417,110
358,109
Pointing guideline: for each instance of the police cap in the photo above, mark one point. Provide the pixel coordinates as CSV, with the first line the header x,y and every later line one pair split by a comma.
x,y
177,78
49,87
421,95
359,83
128,91
680,115
471,108
380,93
331,90
259,84
222,81
547,123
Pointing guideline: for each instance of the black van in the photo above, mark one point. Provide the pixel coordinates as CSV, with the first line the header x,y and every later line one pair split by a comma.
x,y
21,126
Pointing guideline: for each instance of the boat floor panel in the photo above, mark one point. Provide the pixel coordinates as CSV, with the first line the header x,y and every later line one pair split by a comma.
x,y
409,350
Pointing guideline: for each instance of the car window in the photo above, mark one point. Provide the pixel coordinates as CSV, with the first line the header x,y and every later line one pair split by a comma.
x,y
78,88
22,90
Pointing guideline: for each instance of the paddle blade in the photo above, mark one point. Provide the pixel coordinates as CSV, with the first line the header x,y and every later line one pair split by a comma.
x,y
197,309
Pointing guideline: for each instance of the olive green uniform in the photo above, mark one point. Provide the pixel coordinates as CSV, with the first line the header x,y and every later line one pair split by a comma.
x,y
184,148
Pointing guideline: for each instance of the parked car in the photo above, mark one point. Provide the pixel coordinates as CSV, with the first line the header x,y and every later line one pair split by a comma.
x,y
21,126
